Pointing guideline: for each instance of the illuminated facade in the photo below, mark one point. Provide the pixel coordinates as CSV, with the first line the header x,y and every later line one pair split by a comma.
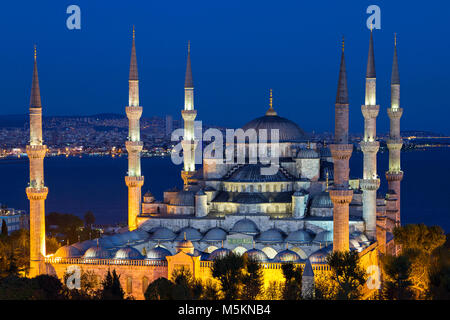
x,y
300,213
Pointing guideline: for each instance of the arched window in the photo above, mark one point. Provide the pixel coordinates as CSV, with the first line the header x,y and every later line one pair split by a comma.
x,y
129,285
259,188
144,284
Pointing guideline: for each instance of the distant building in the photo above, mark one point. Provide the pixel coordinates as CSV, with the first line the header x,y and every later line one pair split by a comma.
x,y
169,125
14,219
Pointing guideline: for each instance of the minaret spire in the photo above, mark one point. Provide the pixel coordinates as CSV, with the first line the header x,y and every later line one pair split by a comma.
x,y
371,59
341,151
134,180
394,175
36,191
189,114
271,111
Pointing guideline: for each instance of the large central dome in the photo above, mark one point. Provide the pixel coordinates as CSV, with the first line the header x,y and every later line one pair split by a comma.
x,y
288,130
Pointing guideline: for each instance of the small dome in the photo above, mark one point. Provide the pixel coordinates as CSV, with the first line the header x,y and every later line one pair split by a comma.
x,y
183,198
128,253
257,255
287,256
271,235
185,246
324,236
218,254
307,154
97,253
322,200
158,253
245,226
162,234
203,255
215,234
299,236
320,255
67,252
191,234
83,246
139,235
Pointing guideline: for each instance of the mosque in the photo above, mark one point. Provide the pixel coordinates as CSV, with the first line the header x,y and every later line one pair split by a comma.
x,y
308,208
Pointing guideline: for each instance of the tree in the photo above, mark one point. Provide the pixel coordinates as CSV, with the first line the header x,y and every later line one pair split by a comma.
x,y
4,228
159,289
89,219
292,289
252,279
182,284
439,275
274,291
347,274
228,270
418,242
210,291
111,287
398,283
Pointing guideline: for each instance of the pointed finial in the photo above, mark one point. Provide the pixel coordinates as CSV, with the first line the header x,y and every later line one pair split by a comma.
x,y
326,178
189,46
270,99
253,244
134,33
222,243
35,53
184,236
371,26
97,242
395,39
343,43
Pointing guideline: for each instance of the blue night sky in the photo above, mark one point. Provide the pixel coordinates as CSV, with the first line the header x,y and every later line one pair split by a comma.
x,y
240,49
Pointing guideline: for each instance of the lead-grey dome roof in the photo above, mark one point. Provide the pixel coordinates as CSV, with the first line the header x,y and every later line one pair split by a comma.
x,y
287,256
128,253
67,252
191,234
97,253
320,255
257,255
245,226
307,154
271,235
158,253
183,198
215,234
322,200
85,245
288,130
218,253
299,236
162,234
324,236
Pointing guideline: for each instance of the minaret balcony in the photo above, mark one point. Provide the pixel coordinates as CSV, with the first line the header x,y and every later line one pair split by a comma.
x,y
394,175
341,151
133,112
189,115
341,196
370,146
36,151
134,146
394,144
395,113
369,184
370,111
134,181
35,193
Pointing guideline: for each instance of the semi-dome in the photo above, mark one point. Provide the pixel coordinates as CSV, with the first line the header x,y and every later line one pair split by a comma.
x,y
324,236
257,255
97,253
215,234
183,198
320,255
218,253
271,235
139,234
190,234
299,236
245,226
322,200
288,130
162,234
287,256
105,242
128,253
67,252
83,246
158,253
117,239
307,154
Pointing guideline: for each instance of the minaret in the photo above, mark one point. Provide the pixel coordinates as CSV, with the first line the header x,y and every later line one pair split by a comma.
x,y
36,191
341,194
134,180
395,175
189,142
369,146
